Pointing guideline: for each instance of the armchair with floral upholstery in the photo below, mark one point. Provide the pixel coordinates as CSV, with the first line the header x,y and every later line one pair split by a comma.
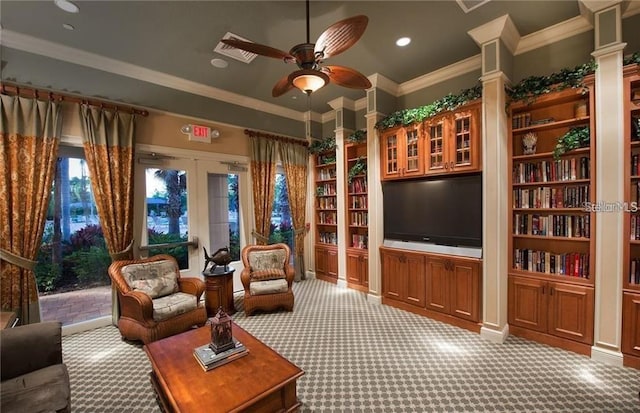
x,y
267,278
155,302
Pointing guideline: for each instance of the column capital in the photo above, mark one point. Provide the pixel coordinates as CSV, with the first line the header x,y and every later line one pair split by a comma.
x,y
494,76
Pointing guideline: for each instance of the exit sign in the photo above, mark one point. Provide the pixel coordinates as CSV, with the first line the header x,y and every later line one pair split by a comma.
x,y
199,133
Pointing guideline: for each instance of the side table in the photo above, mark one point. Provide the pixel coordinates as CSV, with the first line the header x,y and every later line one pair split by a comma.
x,y
219,290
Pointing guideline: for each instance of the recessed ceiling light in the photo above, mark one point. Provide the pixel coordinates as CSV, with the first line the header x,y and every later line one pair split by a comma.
x,y
219,63
68,26
403,41
67,6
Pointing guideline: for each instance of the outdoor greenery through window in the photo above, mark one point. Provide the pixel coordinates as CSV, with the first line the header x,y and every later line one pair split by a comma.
x,y
167,213
281,228
73,252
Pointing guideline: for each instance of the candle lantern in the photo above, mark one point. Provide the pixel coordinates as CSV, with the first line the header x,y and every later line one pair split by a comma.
x,y
221,334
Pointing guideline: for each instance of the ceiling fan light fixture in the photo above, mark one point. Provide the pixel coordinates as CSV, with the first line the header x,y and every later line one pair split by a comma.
x,y
308,80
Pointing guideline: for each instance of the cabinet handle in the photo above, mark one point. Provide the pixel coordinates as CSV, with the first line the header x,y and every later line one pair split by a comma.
x,y
543,290
551,291
446,166
453,165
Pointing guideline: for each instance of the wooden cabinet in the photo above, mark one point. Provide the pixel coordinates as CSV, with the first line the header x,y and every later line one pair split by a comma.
x,y
560,309
357,214
326,263
453,286
443,287
326,216
403,276
452,142
401,152
631,272
552,257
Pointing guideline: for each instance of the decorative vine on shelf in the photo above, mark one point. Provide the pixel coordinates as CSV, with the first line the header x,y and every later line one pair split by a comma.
x,y
357,136
632,58
358,168
577,137
323,145
528,89
450,102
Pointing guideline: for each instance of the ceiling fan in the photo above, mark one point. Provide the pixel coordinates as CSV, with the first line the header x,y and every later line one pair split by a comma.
x,y
311,75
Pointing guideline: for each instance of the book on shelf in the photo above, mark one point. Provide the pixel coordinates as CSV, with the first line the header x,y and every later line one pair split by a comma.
x,y
209,360
572,264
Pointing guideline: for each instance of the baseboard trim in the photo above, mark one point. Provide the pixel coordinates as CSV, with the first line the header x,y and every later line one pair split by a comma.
x,y
310,274
86,325
342,283
493,335
374,299
613,358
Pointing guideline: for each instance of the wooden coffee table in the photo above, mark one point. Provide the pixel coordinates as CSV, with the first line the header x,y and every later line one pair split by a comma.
x,y
262,381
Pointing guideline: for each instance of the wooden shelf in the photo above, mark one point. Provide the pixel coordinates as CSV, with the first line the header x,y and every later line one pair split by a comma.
x,y
550,210
551,183
551,277
550,238
553,125
577,151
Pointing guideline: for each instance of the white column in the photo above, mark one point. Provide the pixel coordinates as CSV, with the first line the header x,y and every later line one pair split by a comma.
x,y
341,134
376,221
495,211
609,179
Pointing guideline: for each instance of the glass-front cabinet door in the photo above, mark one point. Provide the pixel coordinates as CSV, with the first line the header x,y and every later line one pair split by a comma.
x,y
464,146
436,145
412,164
390,154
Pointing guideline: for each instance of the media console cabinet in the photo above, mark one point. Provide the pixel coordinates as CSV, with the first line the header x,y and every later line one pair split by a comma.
x,y
443,287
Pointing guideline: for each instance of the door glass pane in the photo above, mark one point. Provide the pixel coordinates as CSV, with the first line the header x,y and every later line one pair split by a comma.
x,y
167,213
281,228
224,212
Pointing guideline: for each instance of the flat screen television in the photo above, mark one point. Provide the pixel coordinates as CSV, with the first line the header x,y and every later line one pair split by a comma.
x,y
445,211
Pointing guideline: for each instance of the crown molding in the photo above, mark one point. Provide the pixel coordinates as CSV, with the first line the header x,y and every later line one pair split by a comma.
x,y
328,116
440,75
633,8
552,34
361,104
342,103
381,82
500,28
57,51
597,5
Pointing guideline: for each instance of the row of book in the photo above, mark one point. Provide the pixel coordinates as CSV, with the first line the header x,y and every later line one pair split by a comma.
x,y
551,171
358,186
551,197
635,164
358,201
326,189
634,273
570,226
328,238
521,120
327,203
635,192
360,219
209,360
635,227
324,174
572,264
359,241
325,217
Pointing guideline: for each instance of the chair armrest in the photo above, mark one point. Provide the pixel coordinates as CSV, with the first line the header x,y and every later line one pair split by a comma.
x,y
245,277
290,271
138,306
192,285
29,348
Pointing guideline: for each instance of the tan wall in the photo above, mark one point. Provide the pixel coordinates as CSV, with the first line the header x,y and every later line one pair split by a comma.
x,y
164,130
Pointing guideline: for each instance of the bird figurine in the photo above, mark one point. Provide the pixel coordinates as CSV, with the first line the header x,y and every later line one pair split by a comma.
x,y
220,257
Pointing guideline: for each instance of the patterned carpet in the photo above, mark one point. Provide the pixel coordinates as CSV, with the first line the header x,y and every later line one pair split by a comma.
x,y
360,357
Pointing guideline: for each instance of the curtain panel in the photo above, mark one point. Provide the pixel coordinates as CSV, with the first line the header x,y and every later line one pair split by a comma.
x,y
263,173
29,139
295,158
109,151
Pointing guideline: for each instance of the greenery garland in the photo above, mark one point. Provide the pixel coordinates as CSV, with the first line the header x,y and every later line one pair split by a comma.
x,y
449,102
327,144
633,58
357,136
577,137
533,86
358,168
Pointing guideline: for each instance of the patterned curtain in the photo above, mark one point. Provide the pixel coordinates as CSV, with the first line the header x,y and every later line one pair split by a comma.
x,y
294,159
29,133
263,174
108,148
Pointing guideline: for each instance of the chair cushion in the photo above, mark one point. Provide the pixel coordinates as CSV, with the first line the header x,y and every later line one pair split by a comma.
x,y
156,279
268,287
44,390
267,265
173,305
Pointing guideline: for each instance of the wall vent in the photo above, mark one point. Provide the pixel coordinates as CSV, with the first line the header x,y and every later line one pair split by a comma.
x,y
232,52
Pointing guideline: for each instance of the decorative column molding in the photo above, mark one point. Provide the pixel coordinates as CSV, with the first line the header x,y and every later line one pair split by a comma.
x,y
376,213
495,208
609,135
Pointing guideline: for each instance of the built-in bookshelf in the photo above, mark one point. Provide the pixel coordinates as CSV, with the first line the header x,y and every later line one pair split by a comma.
x,y
552,220
631,272
326,216
357,201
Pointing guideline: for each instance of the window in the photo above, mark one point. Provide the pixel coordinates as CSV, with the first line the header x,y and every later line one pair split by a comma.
x,y
281,225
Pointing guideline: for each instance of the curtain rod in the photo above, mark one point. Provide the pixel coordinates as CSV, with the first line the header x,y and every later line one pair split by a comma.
x,y
275,137
41,94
